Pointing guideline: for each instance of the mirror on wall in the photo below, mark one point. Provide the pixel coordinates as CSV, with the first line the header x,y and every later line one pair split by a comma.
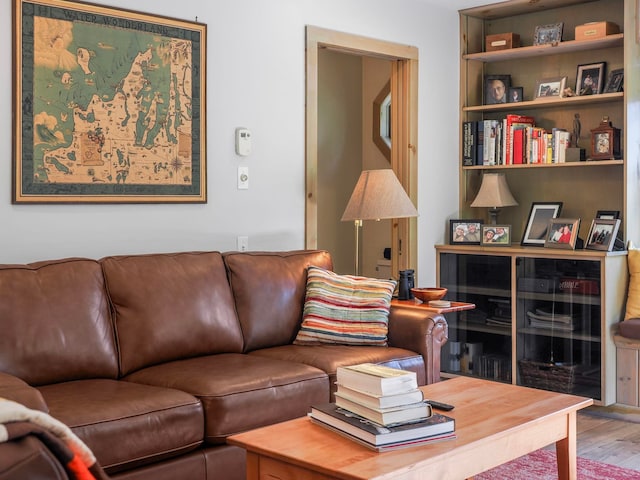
x,y
382,129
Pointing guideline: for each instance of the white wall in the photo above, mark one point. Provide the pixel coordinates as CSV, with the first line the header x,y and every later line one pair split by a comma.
x,y
255,79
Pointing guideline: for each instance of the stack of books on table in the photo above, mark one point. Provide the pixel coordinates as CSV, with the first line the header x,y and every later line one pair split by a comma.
x,y
382,408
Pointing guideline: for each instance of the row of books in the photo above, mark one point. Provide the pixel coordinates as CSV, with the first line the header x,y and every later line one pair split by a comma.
x,y
512,141
381,408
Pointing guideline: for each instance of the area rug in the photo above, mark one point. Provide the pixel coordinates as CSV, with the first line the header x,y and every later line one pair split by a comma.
x,y
541,465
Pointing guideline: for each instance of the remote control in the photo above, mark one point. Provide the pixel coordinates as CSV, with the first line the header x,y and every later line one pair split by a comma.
x,y
440,406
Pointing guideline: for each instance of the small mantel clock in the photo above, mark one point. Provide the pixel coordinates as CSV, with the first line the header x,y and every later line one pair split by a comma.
x,y
605,141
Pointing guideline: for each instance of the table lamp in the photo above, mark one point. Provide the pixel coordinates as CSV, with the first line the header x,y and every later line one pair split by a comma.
x,y
494,193
378,195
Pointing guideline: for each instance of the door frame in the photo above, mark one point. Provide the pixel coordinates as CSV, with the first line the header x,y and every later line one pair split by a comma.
x,y
404,125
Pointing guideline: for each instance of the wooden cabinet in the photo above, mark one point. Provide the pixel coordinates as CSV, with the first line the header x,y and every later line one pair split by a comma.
x,y
544,318
584,187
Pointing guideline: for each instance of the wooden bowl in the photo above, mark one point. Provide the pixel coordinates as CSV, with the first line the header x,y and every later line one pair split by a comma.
x,y
428,294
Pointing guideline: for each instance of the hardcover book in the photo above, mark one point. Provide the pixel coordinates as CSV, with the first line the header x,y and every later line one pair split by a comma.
x,y
375,434
380,401
376,379
387,416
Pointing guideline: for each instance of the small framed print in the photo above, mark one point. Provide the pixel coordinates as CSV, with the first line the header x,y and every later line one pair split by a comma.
x,y
590,78
496,88
608,214
614,81
562,233
551,33
538,223
602,234
464,232
496,235
515,94
550,87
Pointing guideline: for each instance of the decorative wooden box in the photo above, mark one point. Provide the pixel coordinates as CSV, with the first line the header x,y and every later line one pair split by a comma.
x,y
592,30
501,41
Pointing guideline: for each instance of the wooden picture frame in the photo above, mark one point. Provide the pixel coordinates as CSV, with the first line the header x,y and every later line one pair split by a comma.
x,y
515,94
590,78
541,213
465,232
602,234
496,88
108,105
496,235
615,81
562,233
551,33
550,87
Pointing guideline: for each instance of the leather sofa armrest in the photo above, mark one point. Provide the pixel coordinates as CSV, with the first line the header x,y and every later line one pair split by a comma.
x,y
422,332
13,388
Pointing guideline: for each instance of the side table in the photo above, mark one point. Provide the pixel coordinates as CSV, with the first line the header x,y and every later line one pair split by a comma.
x,y
415,303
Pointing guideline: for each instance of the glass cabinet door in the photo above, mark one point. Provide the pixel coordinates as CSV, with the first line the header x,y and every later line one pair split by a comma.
x,y
558,327
480,339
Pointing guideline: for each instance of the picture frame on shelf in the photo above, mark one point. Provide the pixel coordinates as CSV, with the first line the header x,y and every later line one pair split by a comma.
x,y
562,233
145,144
615,81
537,225
496,235
590,78
602,234
515,94
550,87
496,88
608,214
465,231
551,33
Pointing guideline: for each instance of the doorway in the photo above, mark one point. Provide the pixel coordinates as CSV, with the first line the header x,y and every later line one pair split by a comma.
x,y
403,83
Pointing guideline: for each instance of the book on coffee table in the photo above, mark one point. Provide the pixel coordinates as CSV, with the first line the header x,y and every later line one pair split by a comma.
x,y
376,379
378,435
380,401
386,416
387,447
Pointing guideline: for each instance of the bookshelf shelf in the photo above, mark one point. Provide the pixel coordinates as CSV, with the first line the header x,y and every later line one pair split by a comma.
x,y
567,102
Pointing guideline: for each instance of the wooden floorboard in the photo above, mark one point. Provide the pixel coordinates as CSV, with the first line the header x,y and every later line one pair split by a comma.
x,y
610,441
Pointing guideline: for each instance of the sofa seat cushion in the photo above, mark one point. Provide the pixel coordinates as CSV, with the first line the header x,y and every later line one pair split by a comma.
x,y
127,424
241,392
329,357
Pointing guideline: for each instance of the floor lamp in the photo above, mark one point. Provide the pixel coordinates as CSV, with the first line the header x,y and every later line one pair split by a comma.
x,y
378,195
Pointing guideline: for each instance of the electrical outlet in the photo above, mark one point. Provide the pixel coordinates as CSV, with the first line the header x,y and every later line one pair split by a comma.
x,y
243,243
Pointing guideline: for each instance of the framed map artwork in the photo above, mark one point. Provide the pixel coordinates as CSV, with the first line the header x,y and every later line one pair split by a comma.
x,y
107,105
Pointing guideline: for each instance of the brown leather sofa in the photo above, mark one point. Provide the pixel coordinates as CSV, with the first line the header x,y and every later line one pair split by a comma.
x,y
154,360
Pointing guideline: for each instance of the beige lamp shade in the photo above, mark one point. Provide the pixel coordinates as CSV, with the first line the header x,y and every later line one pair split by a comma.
x,y
494,193
378,195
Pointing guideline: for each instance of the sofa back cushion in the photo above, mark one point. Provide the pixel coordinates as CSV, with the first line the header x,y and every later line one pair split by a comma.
x,y
55,324
269,291
170,306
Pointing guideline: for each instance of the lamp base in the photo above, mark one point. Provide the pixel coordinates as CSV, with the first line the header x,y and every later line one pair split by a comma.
x,y
493,215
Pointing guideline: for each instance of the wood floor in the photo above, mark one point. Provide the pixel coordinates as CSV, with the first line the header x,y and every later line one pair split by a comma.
x,y
611,441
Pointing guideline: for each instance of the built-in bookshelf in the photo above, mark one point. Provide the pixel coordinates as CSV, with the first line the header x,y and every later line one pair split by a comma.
x,y
584,187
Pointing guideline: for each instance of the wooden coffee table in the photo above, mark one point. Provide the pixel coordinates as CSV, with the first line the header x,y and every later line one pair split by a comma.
x,y
495,423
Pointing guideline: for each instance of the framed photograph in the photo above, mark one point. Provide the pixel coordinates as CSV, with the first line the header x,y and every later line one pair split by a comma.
x,y
551,33
550,87
562,233
515,94
537,226
590,78
608,214
108,105
496,235
602,234
496,88
614,81
463,232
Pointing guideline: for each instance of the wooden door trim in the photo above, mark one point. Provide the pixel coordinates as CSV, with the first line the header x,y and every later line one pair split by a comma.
x,y
404,84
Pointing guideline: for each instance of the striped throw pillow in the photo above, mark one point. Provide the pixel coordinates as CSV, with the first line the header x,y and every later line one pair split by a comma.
x,y
345,309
